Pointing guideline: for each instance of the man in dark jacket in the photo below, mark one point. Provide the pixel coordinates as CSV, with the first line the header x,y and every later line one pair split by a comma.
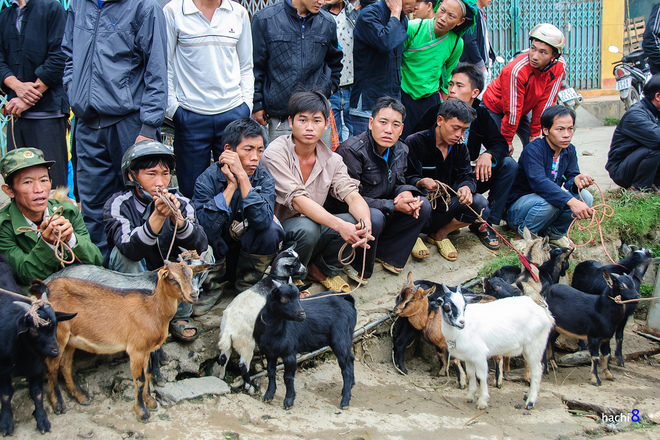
x,y
634,157
235,201
378,160
380,32
489,152
294,45
142,229
116,79
31,69
537,200
651,41
439,154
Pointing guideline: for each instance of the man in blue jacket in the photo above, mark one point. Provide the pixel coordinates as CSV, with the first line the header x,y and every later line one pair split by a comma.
x,y
294,46
31,68
116,79
537,200
380,32
235,201
634,157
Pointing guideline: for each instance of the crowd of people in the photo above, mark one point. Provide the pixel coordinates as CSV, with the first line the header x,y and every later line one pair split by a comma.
x,y
407,111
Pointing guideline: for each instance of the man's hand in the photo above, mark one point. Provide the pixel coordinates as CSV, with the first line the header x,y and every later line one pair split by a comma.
x,y
427,183
484,168
65,230
142,138
464,195
353,234
406,203
395,6
27,91
533,138
511,149
233,162
583,181
260,116
162,210
16,107
580,209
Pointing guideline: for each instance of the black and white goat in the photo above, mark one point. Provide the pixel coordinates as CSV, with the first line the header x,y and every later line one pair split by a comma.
x,y
237,326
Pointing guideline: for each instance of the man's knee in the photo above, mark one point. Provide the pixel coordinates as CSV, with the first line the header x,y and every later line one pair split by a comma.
x,y
377,222
302,231
263,242
587,197
508,169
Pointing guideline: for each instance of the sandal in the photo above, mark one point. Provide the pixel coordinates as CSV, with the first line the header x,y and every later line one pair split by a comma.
x,y
303,293
335,284
179,325
487,237
445,247
389,267
418,248
354,275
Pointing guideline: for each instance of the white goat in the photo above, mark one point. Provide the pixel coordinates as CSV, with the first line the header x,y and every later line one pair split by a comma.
x,y
238,319
506,327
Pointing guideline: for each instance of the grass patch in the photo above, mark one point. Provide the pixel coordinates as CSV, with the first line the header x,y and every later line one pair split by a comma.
x,y
608,122
635,219
505,257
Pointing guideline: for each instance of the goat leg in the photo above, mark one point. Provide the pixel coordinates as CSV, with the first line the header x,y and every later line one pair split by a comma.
x,y
137,369
154,368
54,393
271,368
618,351
472,382
594,347
6,393
149,401
35,381
461,377
66,368
481,371
289,376
499,370
346,363
607,357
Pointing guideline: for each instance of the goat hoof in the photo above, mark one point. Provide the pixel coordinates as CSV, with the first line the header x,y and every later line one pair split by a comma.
x,y
469,400
482,406
530,405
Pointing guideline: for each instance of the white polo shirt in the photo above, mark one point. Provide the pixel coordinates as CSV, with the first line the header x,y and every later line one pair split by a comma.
x,y
209,64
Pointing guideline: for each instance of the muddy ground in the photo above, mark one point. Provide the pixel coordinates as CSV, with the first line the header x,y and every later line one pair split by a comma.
x,y
385,404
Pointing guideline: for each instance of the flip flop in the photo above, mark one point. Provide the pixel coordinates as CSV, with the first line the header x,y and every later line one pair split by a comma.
x,y
445,247
177,327
487,237
335,284
419,247
354,275
389,267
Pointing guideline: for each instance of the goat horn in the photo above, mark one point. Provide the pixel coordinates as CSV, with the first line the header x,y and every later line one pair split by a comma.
x,y
23,305
290,280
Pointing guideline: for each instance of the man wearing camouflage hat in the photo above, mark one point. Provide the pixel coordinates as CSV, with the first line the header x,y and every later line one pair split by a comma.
x,y
32,254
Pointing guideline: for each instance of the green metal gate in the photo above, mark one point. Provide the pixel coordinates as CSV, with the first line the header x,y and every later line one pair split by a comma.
x,y
511,20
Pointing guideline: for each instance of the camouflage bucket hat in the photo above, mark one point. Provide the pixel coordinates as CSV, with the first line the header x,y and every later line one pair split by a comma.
x,y
22,158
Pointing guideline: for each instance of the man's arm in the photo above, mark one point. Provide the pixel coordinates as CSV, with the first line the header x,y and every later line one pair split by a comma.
x,y
172,38
651,41
512,102
637,125
151,39
260,63
50,72
333,59
67,46
383,37
471,53
244,50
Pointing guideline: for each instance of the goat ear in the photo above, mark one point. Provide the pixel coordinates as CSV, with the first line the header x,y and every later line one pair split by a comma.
x,y
410,279
196,268
163,273
61,316
430,291
570,251
526,234
608,279
458,289
546,240
23,324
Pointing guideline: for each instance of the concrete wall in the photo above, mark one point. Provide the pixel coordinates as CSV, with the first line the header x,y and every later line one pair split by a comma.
x,y
612,35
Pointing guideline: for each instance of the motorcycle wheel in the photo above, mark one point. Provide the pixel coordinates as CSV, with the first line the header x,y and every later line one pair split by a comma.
x,y
632,98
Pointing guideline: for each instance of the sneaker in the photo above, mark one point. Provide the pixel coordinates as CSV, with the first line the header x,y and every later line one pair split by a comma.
x,y
562,242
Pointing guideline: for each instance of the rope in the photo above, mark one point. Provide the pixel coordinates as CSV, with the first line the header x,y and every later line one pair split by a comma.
x,y
344,262
617,299
35,305
61,248
443,192
176,215
599,213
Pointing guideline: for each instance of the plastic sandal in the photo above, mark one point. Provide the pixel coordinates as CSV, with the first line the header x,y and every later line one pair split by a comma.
x,y
445,247
336,284
419,247
355,275
177,327
389,267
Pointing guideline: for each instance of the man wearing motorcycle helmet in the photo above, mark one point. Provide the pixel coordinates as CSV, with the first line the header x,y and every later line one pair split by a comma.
x,y
528,85
140,225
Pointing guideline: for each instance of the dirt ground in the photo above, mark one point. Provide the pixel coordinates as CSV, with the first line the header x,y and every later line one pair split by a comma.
x,y
385,404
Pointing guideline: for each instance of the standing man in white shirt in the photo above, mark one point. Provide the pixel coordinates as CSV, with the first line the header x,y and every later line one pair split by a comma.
x,y
210,79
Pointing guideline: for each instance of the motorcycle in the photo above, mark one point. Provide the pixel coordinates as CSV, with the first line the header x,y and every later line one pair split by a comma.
x,y
631,73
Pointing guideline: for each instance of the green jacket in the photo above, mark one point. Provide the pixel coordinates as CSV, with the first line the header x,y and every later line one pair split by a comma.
x,y
29,255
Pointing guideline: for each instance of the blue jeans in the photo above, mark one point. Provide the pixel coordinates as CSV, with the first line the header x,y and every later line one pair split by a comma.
x,y
499,186
540,217
198,140
339,101
524,129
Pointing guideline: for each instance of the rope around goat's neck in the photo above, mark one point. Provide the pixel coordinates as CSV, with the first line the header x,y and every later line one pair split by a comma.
x,y
61,247
35,304
345,261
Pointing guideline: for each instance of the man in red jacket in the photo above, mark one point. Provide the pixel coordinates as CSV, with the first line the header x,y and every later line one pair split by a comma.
x,y
527,85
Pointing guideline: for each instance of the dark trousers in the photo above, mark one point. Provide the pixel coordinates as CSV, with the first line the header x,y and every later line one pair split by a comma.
x,y
316,243
198,141
640,169
98,154
48,135
360,124
442,216
394,236
524,128
415,110
499,186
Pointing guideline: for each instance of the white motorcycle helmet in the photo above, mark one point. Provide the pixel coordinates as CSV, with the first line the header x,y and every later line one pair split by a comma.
x,y
550,35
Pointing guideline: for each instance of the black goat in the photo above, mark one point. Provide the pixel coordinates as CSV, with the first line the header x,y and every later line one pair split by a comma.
x,y
25,342
593,318
284,328
588,278
500,288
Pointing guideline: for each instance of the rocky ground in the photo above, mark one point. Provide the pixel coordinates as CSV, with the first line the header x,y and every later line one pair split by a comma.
x,y
385,404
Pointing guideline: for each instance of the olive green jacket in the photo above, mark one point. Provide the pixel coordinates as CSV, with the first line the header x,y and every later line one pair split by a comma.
x,y
29,255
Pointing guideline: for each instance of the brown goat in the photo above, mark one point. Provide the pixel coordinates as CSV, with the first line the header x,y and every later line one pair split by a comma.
x,y
111,320
537,251
413,303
